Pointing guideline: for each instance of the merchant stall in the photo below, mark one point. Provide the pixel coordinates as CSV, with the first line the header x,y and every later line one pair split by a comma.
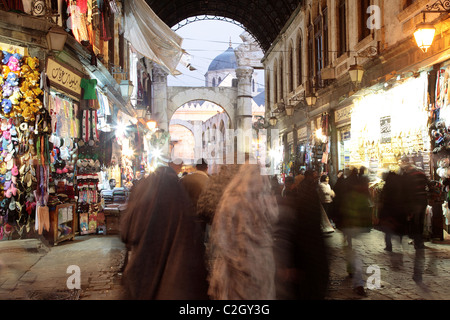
x,y
388,127
63,96
440,134
26,152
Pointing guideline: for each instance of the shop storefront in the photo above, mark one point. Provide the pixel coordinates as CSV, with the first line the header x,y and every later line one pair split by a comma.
x,y
320,143
289,154
25,152
342,118
302,157
439,214
388,126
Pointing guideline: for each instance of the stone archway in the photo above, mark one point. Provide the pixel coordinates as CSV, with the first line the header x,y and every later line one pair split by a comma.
x,y
226,98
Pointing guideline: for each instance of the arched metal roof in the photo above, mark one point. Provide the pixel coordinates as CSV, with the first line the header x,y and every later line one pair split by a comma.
x,y
264,19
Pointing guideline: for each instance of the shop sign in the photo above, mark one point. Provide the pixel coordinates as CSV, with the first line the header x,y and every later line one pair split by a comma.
x,y
13,49
290,137
64,78
343,115
346,135
385,129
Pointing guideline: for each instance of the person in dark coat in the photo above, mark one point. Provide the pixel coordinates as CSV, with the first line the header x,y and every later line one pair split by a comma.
x,y
416,190
355,219
302,267
392,212
167,252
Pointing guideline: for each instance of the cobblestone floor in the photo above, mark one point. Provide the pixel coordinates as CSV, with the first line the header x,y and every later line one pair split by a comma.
x,y
32,271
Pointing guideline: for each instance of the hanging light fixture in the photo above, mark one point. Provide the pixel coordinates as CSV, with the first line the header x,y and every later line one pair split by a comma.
x,y
56,38
356,73
273,121
311,99
289,110
151,125
126,88
424,35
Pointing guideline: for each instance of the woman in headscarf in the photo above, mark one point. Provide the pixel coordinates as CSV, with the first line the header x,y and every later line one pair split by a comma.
x,y
241,239
167,250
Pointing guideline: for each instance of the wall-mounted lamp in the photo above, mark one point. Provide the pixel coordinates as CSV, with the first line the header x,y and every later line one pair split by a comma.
x,y
273,121
56,38
289,110
424,34
356,73
311,99
151,125
126,88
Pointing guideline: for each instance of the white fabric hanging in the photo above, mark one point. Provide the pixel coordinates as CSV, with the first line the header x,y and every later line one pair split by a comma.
x,y
150,36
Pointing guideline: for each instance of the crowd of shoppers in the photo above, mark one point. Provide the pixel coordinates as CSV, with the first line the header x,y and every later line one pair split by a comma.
x,y
238,234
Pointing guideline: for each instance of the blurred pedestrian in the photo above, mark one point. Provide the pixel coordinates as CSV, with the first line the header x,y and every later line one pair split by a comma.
x,y
195,182
416,184
392,214
241,239
167,251
289,187
356,219
338,189
299,246
326,194
277,189
213,191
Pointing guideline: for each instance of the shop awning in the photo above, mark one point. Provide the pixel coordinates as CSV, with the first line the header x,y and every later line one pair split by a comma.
x,y
150,36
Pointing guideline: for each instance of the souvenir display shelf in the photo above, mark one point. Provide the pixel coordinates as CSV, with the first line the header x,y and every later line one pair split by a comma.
x,y
62,223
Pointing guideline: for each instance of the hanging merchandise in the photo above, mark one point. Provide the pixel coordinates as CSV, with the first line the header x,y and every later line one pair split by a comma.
x,y
390,126
24,148
88,172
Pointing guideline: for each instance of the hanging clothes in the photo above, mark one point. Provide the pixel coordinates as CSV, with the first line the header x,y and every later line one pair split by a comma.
x,y
77,21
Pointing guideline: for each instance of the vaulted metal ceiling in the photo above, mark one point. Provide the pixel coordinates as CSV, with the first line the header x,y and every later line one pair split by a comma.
x,y
264,19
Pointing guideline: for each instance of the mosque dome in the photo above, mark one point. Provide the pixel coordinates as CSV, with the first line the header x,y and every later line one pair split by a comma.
x,y
225,60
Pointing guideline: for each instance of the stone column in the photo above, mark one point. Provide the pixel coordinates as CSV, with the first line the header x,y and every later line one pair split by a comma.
x,y
244,109
159,107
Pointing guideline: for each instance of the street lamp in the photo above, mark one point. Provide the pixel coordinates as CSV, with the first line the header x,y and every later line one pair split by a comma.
x,y
151,125
356,73
289,110
56,38
311,99
126,88
273,121
424,35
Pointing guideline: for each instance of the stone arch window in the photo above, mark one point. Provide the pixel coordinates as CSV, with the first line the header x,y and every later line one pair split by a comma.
x,y
214,82
363,16
281,78
268,91
342,27
290,61
311,69
275,82
299,59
